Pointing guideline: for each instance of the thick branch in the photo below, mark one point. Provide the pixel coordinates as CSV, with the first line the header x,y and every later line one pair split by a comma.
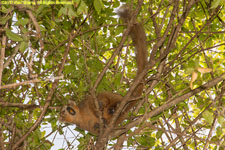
x,y
13,85
2,57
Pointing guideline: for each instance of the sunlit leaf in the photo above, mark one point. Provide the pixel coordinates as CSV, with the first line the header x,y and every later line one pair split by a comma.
x,y
194,76
204,70
216,3
208,116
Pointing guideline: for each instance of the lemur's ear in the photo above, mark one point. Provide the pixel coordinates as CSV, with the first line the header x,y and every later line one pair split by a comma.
x,y
125,12
70,102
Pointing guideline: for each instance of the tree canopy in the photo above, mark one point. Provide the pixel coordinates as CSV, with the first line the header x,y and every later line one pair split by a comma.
x,y
53,52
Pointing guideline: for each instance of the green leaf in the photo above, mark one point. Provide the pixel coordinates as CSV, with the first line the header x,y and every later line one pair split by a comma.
x,y
208,116
159,134
216,3
146,140
23,46
118,79
47,145
94,64
76,2
221,120
62,11
22,22
189,70
219,131
98,5
4,19
69,69
13,36
71,12
82,8
4,9
41,9
73,56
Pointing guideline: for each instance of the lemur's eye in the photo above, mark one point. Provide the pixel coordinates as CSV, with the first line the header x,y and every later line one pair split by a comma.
x,y
70,110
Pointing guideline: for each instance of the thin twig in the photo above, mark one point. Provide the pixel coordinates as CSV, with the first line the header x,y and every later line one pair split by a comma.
x,y
13,85
8,61
37,27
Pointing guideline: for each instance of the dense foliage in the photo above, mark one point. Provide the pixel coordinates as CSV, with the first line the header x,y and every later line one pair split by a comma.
x,y
54,53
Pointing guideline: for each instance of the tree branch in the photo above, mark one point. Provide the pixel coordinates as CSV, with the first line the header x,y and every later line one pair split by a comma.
x,y
172,102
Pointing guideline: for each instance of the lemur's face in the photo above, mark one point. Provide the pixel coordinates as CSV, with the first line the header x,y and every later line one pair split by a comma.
x,y
69,113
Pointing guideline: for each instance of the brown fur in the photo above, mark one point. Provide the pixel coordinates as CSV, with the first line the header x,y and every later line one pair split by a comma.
x,y
85,115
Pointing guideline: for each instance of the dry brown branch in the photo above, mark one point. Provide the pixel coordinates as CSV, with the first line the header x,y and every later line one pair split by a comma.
x,y
187,128
8,61
13,85
119,144
1,138
178,129
37,27
2,56
165,34
210,132
24,106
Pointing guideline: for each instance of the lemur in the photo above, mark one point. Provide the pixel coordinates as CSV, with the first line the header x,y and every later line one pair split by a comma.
x,y
84,115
